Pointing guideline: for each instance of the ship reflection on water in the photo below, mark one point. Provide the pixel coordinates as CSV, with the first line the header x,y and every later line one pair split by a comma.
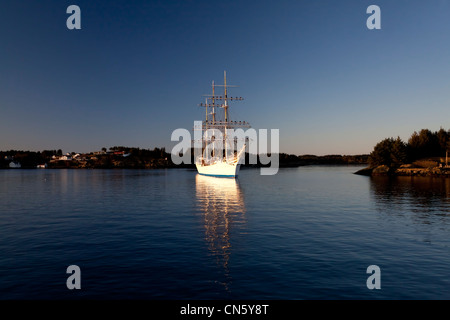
x,y
222,205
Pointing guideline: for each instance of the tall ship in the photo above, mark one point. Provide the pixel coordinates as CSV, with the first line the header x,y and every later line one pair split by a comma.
x,y
220,155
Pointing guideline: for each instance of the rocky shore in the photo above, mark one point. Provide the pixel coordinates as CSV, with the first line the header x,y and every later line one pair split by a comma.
x,y
405,170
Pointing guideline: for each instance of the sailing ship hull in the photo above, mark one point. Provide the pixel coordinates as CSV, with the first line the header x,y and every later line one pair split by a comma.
x,y
220,169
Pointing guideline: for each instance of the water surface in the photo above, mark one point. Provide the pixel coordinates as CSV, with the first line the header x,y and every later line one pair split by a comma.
x,y
305,233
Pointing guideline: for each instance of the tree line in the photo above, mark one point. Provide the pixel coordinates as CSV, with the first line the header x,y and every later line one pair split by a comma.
x,y
423,144
135,158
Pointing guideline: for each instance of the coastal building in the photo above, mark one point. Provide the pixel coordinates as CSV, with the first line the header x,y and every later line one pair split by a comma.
x,y
15,165
66,158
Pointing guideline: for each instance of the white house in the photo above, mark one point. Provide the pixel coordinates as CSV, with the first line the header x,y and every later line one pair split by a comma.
x,y
16,165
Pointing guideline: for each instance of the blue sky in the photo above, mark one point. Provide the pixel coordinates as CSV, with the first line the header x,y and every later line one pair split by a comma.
x,y
138,69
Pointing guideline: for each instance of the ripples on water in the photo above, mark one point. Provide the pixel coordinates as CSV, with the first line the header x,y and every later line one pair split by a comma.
x,y
305,233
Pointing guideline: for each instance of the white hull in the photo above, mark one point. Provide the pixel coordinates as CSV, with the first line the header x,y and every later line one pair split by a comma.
x,y
219,169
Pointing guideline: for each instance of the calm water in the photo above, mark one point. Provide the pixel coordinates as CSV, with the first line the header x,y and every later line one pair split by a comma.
x,y
305,233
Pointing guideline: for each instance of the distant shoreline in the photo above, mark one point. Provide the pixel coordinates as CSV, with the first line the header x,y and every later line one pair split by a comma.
x,y
190,167
158,158
182,166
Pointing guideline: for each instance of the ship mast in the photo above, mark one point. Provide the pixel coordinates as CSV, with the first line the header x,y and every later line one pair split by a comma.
x,y
213,104
222,124
213,116
225,94
225,107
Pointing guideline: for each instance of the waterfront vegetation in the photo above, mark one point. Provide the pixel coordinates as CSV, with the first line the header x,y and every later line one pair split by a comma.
x,y
425,153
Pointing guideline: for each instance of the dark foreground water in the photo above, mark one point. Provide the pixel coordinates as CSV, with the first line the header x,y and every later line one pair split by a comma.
x,y
305,233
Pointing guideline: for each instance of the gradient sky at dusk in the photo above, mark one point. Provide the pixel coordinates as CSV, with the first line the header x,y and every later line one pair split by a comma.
x,y
137,70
